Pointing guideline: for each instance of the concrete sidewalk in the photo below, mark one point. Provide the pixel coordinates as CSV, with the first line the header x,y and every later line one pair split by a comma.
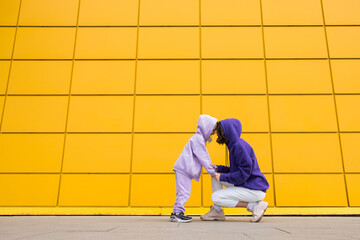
x,y
159,227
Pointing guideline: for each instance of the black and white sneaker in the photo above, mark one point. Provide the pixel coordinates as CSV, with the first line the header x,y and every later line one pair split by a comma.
x,y
180,217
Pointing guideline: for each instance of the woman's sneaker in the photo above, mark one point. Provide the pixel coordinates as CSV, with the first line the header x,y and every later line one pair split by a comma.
x,y
180,217
258,211
213,215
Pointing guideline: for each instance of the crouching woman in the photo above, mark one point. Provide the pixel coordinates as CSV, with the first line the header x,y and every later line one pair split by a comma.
x,y
245,184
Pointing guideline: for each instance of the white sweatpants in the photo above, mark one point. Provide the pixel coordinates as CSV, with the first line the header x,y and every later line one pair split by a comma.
x,y
231,195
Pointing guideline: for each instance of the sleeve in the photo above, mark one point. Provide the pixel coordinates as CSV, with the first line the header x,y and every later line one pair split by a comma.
x,y
203,156
223,169
240,176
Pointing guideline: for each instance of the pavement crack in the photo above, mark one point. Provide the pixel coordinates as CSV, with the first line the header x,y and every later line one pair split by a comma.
x,y
282,230
248,236
35,235
112,229
178,225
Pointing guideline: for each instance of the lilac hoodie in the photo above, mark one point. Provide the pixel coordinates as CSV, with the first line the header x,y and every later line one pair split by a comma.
x,y
194,156
244,169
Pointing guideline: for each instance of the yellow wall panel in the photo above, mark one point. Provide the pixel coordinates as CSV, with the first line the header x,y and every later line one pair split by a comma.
x,y
298,12
108,12
216,151
261,146
94,190
103,77
6,42
341,12
2,99
306,152
169,12
148,191
299,76
35,114
31,152
99,153
250,110
9,12
28,189
48,12
157,153
299,42
207,190
353,182
229,42
230,12
349,117
166,42
106,43
346,75
270,192
100,114
166,114
351,151
4,73
44,43
344,41
40,77
310,190
233,77
195,197
168,77
302,113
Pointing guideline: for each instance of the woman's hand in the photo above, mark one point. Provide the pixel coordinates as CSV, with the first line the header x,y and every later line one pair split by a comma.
x,y
217,177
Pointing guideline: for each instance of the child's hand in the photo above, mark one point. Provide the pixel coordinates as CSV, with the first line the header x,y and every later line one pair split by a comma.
x,y
217,177
214,167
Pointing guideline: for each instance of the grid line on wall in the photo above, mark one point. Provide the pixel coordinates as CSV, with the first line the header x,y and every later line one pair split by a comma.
x,y
177,59
11,62
268,104
188,26
134,102
335,106
201,102
68,105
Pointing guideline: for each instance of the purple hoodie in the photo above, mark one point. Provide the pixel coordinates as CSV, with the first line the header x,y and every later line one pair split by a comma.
x,y
244,170
194,156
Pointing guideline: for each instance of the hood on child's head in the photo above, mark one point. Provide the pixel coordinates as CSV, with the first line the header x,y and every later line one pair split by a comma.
x,y
232,129
205,125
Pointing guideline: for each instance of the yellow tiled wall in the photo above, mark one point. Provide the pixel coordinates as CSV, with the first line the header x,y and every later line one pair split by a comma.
x,y
99,97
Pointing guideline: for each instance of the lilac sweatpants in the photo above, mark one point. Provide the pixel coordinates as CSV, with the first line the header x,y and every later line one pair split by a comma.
x,y
183,190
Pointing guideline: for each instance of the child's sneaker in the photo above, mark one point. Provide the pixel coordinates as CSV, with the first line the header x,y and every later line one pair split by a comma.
x,y
180,217
213,215
258,211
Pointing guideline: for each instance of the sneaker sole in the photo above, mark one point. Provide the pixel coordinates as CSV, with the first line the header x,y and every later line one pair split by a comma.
x,y
212,219
258,220
179,220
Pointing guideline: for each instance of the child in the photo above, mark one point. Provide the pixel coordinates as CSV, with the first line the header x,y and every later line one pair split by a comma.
x,y
188,165
246,185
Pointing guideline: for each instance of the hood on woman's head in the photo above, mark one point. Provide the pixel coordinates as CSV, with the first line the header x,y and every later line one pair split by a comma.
x,y
232,129
205,125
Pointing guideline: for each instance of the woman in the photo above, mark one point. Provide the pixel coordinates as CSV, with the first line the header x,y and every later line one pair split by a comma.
x,y
245,184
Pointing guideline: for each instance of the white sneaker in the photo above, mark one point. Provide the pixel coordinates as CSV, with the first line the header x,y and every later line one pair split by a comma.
x,y
258,211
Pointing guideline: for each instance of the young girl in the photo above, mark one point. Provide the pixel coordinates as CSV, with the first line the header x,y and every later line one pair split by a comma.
x,y
188,165
245,184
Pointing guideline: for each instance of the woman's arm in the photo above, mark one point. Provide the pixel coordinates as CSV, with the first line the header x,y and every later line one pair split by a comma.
x,y
222,169
244,163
